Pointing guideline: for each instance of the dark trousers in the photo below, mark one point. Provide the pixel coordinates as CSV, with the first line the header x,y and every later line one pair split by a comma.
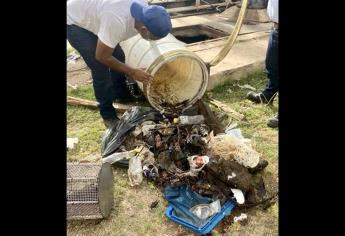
x,y
272,65
108,85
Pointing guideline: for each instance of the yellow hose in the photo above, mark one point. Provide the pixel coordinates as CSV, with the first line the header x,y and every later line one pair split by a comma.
x,y
232,38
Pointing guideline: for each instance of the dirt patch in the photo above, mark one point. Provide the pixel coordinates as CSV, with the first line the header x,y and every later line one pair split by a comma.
x,y
78,73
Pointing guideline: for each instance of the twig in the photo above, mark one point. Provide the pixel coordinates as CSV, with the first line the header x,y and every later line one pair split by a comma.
x,y
93,104
82,102
226,108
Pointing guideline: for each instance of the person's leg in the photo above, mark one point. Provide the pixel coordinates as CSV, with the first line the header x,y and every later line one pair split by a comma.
x,y
272,74
268,94
272,66
85,43
119,85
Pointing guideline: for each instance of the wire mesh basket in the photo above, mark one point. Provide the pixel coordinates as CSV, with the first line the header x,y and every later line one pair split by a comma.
x,y
89,190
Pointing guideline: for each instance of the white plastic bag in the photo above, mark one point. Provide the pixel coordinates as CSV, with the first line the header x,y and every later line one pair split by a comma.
x,y
118,156
194,167
238,195
204,211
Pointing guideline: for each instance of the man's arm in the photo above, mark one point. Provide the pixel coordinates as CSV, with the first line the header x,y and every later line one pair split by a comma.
x,y
104,56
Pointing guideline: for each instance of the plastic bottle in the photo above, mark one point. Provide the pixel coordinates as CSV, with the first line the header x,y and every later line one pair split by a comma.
x,y
135,171
191,120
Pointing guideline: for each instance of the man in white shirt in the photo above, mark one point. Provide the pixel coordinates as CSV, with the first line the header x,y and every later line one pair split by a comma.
x,y
268,94
96,27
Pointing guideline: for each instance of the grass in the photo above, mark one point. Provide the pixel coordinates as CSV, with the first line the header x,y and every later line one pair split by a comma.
x,y
70,49
85,124
131,214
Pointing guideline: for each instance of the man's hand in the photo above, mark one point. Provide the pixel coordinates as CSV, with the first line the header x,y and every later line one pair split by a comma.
x,y
140,75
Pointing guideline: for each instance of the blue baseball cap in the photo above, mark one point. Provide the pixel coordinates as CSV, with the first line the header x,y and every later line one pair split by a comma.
x,y
155,18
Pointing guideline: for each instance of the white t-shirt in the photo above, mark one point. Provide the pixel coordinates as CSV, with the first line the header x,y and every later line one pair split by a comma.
x,y
272,10
110,20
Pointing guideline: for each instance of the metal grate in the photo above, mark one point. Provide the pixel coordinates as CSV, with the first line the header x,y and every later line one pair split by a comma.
x,y
89,190
82,170
83,211
82,190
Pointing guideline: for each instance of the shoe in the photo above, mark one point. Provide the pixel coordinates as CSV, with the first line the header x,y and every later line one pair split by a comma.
x,y
260,166
259,98
273,122
109,123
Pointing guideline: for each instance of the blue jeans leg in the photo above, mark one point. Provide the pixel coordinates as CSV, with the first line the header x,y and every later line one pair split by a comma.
x,y
119,83
272,66
85,43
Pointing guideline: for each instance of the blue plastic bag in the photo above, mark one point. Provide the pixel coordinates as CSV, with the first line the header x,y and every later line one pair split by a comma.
x,y
182,199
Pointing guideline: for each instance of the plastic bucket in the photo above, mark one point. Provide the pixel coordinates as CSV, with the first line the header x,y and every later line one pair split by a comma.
x,y
180,77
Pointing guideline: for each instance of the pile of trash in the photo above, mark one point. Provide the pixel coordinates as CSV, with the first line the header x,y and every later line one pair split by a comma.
x,y
182,152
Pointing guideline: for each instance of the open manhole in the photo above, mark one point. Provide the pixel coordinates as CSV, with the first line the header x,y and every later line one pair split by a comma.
x,y
197,33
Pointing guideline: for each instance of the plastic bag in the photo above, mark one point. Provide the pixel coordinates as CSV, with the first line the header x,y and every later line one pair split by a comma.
x,y
238,134
238,195
118,156
204,211
230,147
115,136
235,133
135,171
197,163
182,199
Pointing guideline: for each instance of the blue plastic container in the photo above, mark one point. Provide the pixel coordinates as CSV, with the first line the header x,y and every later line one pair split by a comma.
x,y
209,225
